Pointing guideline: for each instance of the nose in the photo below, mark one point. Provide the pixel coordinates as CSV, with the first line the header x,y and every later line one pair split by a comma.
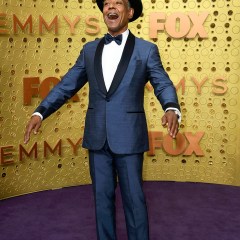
x,y
111,5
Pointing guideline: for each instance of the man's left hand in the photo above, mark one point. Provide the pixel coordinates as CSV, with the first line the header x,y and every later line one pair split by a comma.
x,y
170,120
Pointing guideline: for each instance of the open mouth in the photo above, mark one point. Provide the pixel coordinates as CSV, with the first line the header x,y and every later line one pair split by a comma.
x,y
112,16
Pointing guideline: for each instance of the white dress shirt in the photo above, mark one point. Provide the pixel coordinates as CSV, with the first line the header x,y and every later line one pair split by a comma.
x,y
111,56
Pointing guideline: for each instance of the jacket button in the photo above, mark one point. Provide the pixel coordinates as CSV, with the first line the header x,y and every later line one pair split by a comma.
x,y
107,99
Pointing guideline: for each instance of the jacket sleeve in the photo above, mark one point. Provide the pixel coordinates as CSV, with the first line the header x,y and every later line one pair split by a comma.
x,y
70,84
163,86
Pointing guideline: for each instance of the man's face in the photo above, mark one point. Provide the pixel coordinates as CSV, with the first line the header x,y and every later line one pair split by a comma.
x,y
116,14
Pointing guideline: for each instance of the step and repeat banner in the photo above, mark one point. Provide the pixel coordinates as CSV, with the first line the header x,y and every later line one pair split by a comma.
x,y
199,43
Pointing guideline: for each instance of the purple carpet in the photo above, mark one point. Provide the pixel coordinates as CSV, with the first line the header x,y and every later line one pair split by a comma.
x,y
177,211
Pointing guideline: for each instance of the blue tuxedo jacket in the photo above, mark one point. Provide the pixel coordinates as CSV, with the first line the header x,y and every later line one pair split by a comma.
x,y
118,114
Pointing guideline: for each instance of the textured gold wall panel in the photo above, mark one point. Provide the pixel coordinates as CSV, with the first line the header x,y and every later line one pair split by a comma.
x,y
206,72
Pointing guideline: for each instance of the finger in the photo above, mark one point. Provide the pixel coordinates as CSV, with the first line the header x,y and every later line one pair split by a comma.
x,y
175,131
164,121
27,133
26,138
170,126
36,128
174,128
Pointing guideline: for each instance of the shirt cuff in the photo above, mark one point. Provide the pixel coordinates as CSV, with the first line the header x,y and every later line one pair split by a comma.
x,y
177,112
38,114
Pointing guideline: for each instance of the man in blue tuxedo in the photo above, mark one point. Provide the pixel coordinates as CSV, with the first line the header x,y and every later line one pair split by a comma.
x,y
116,67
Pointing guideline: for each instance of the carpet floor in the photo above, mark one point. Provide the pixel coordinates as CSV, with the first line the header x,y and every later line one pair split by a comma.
x,y
177,211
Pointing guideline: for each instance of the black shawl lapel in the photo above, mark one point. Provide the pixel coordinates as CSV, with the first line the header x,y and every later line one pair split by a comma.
x,y
98,67
123,64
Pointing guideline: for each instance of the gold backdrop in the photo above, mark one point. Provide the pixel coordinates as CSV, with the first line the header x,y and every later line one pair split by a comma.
x,y
200,47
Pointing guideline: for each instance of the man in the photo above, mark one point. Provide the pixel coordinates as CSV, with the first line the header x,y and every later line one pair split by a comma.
x,y
115,127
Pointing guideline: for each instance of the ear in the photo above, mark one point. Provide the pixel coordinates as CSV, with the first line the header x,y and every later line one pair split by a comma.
x,y
130,13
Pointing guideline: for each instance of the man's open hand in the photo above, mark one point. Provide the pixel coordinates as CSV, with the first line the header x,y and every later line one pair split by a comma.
x,y
170,120
33,125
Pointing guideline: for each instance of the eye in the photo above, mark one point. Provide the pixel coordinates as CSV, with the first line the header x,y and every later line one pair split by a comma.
x,y
119,2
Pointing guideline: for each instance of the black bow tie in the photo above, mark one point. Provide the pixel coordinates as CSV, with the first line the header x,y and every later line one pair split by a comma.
x,y
109,38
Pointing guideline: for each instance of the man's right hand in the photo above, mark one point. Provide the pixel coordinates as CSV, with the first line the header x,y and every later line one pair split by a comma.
x,y
33,125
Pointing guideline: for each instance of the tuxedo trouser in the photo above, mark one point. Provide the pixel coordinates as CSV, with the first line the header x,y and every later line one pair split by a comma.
x,y
105,168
